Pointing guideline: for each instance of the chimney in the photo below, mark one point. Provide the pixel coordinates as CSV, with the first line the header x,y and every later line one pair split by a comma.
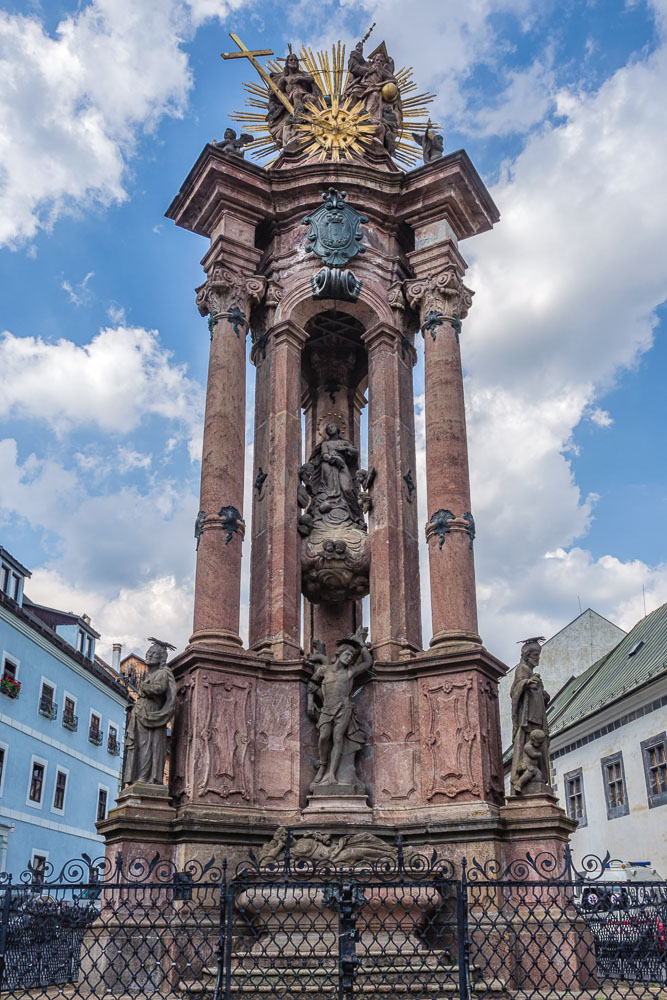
x,y
115,657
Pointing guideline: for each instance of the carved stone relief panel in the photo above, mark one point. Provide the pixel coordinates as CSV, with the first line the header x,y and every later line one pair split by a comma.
x,y
396,742
491,743
277,749
225,717
180,778
449,735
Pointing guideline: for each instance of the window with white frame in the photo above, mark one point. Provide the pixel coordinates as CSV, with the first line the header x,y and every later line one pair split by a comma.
x,y
4,749
10,684
102,802
4,579
60,790
38,863
95,729
113,745
36,782
47,700
70,719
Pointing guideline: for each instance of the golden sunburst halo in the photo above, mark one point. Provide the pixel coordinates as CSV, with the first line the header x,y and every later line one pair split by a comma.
x,y
331,126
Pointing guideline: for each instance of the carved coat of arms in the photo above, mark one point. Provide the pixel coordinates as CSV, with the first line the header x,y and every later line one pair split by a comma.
x,y
335,230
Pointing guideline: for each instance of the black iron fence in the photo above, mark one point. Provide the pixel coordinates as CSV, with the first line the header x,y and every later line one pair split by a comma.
x,y
407,925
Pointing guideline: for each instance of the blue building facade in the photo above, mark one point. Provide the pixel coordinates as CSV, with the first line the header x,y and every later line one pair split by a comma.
x,y
62,722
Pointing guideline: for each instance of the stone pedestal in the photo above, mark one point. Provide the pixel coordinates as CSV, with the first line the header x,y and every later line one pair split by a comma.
x,y
141,823
337,808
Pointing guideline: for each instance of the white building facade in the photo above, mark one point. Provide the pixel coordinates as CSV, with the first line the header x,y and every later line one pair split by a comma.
x,y
609,749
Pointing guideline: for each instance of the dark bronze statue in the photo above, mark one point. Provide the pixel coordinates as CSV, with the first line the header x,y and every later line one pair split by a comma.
x,y
530,729
231,144
432,144
146,739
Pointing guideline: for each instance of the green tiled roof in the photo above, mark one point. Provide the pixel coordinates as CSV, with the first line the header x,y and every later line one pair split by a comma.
x,y
614,675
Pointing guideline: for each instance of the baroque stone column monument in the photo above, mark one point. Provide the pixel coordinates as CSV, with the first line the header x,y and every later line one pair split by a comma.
x,y
331,259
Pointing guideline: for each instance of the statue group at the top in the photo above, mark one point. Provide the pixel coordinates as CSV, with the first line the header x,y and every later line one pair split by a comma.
x,y
371,84
371,81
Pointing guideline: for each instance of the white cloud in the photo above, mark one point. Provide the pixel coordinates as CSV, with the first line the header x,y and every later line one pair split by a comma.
x,y
125,557
79,294
600,417
162,606
567,288
74,105
446,41
526,99
122,376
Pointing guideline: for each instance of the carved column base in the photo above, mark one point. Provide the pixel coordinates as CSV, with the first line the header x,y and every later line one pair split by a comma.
x,y
279,647
395,649
215,637
453,639
331,808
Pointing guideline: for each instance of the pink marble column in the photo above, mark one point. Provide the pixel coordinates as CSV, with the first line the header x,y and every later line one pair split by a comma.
x,y
442,300
275,595
395,592
218,575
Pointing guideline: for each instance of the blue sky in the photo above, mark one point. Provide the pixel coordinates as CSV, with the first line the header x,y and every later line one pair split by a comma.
x,y
103,358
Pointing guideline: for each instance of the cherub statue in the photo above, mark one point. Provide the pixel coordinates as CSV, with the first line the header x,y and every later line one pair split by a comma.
x,y
231,144
365,480
431,144
529,767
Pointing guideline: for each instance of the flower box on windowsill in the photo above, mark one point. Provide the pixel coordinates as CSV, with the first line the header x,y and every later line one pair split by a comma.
x,y
48,709
10,687
95,738
113,747
70,722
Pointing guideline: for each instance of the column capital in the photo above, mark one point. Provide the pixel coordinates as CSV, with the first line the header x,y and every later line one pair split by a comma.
x,y
440,297
227,294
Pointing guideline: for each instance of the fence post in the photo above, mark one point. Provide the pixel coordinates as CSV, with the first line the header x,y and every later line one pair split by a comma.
x,y
347,941
462,932
4,927
222,915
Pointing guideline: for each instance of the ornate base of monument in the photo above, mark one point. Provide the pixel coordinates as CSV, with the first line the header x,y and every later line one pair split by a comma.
x,y
245,753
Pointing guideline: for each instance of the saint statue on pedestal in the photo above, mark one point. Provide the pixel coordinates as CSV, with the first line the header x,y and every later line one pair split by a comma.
x,y
530,729
146,738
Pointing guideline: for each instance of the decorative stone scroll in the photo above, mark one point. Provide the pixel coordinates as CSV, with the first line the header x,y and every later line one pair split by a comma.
x,y
439,298
228,295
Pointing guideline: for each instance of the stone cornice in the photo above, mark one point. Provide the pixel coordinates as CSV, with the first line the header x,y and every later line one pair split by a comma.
x,y
449,188
218,184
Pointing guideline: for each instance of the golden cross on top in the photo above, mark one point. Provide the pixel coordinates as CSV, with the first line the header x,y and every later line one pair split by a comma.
x,y
246,53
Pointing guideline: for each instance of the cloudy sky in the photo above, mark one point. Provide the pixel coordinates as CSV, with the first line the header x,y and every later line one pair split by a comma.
x,y
105,105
